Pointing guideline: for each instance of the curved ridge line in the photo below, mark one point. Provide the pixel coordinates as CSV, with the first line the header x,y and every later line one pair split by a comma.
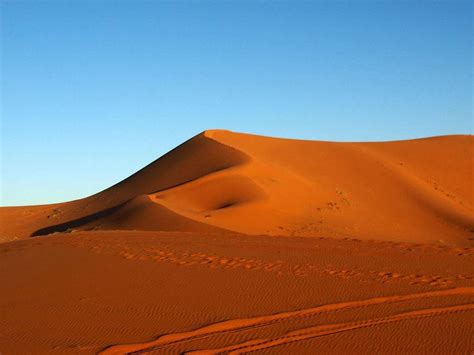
x,y
203,134
206,177
301,178
248,323
209,176
247,161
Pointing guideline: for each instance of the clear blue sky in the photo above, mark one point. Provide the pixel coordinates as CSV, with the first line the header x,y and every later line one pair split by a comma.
x,y
94,90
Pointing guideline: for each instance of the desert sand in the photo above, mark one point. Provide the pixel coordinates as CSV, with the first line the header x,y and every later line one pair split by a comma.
x,y
235,243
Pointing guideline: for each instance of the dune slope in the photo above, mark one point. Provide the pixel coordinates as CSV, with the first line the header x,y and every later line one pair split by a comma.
x,y
417,190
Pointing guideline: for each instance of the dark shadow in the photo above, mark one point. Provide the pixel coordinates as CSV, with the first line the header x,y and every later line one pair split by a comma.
x,y
63,227
225,205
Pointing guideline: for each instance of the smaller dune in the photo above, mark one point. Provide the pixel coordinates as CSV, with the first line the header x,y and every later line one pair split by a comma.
x,y
142,213
213,194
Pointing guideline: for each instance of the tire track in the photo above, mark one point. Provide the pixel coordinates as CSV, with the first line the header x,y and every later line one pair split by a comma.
x,y
236,325
322,330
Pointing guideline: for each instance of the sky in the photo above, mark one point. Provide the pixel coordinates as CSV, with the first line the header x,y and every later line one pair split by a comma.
x,y
92,91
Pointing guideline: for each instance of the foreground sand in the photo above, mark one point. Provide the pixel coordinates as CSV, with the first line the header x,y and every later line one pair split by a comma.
x,y
165,292
235,243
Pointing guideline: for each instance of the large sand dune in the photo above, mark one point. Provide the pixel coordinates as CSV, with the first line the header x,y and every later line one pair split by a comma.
x,y
418,190
234,243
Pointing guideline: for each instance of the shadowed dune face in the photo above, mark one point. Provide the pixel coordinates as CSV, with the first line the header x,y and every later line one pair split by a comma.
x,y
139,213
190,161
193,159
419,190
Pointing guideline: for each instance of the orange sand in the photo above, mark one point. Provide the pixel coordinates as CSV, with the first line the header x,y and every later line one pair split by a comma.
x,y
235,243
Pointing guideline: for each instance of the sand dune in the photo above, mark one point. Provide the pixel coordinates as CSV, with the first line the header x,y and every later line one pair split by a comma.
x,y
234,243
418,190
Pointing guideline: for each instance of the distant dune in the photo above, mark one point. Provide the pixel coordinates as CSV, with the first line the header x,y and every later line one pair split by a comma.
x,y
416,190
234,243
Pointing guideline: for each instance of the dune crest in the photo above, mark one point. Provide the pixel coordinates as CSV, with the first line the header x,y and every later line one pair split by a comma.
x,y
415,190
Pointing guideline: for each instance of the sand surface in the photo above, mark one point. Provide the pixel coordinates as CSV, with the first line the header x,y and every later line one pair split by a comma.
x,y
234,243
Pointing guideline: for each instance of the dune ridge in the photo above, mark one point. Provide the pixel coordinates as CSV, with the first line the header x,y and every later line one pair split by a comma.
x,y
225,181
